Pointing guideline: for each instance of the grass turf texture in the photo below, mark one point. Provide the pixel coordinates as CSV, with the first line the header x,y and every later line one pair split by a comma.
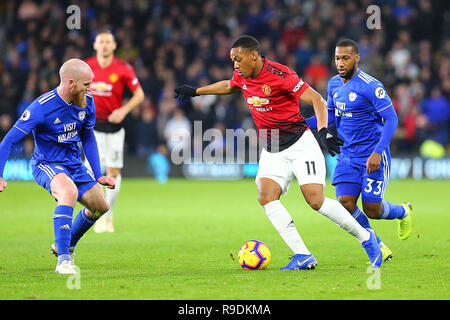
x,y
178,241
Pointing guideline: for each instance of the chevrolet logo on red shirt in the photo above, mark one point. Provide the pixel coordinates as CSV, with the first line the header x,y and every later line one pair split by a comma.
x,y
101,86
257,101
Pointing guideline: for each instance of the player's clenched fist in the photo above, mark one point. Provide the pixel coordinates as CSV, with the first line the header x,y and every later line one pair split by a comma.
x,y
185,91
117,116
373,162
2,184
331,142
107,182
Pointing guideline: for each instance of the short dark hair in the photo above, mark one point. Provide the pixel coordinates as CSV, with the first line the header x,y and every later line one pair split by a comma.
x,y
348,43
248,43
104,30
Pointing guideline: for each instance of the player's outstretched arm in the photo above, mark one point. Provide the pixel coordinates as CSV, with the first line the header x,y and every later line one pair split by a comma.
x,y
13,136
218,88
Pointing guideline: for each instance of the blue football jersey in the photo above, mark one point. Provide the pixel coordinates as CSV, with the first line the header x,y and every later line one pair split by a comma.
x,y
357,104
56,126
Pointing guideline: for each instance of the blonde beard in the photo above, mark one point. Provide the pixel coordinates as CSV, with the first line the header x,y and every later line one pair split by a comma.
x,y
80,100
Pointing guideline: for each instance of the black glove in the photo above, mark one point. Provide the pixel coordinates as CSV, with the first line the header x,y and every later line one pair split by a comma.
x,y
185,91
330,142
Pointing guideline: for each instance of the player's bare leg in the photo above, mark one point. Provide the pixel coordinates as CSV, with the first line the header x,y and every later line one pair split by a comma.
x,y
348,202
269,193
373,210
64,190
106,222
111,196
313,194
95,202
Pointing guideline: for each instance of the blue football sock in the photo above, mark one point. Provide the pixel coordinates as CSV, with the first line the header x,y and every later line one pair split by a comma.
x,y
392,211
363,221
81,225
62,226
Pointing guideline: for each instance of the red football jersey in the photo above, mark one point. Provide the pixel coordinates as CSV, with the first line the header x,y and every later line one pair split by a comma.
x,y
273,100
108,83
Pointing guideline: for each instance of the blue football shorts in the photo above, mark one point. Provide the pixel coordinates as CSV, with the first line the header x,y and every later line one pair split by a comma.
x,y
351,178
82,177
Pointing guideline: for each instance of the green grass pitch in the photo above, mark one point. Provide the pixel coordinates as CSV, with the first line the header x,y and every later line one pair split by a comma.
x,y
180,241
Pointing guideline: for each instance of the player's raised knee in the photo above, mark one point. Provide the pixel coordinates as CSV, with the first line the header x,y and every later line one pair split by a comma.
x,y
268,191
313,194
103,207
99,210
347,203
314,199
371,214
372,210
264,197
315,202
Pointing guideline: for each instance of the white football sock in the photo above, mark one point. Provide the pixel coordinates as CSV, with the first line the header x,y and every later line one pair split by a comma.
x,y
334,211
283,223
111,195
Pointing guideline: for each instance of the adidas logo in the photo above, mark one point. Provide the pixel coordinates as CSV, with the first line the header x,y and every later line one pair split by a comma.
x,y
57,121
244,87
66,227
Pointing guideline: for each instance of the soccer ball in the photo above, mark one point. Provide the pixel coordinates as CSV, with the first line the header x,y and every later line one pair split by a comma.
x,y
254,255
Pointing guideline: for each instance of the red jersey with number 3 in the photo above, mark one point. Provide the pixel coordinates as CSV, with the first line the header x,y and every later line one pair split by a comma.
x,y
273,100
108,85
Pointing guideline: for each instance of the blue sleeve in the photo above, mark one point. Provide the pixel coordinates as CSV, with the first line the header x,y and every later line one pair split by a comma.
x,y
91,151
13,136
312,121
390,125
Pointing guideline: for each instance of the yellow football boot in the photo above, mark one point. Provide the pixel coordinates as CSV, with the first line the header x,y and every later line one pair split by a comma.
x,y
405,225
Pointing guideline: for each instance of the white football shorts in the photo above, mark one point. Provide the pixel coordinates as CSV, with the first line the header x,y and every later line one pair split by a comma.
x,y
303,160
110,148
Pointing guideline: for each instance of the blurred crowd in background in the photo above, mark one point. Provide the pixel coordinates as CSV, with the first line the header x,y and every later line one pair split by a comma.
x,y
172,42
